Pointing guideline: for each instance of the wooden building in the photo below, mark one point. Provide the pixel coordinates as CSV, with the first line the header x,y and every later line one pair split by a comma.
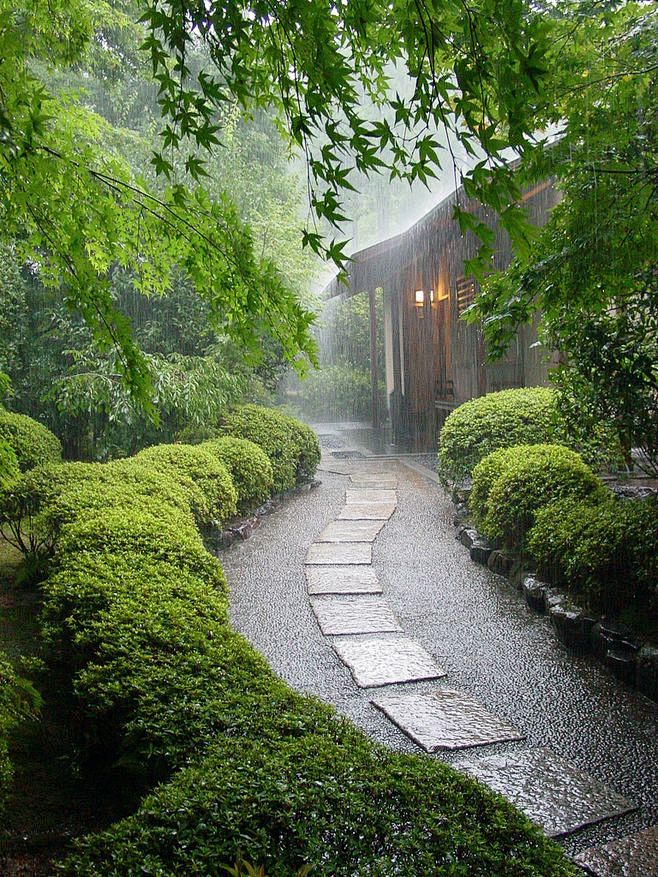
x,y
434,360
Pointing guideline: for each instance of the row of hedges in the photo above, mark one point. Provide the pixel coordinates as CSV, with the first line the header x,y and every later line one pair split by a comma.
x,y
543,501
135,613
525,416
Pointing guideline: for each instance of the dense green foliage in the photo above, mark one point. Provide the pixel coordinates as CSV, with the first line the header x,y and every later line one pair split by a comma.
x,y
338,392
209,476
9,470
591,272
604,552
31,442
249,467
18,699
292,447
497,420
136,612
525,479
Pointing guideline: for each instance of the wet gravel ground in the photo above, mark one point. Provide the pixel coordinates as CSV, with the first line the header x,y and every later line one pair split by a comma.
x,y
470,620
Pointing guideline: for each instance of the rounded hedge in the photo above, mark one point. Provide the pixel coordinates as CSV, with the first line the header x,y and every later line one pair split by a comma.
x,y
249,467
193,463
9,470
603,551
525,480
497,420
32,443
292,447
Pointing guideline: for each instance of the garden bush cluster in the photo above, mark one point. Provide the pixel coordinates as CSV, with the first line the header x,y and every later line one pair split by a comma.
x,y
339,392
135,613
32,443
544,502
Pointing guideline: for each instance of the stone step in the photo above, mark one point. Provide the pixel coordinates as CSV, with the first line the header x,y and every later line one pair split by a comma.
x,y
386,660
351,531
342,580
328,553
367,511
635,855
353,615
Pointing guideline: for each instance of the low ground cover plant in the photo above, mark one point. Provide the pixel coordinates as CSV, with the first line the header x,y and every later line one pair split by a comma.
x,y
249,467
603,551
32,443
292,447
164,691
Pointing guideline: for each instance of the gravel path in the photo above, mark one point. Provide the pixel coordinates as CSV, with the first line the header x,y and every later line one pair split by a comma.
x,y
479,630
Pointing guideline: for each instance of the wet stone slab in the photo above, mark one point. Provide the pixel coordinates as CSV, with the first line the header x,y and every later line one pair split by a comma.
x,y
386,660
445,719
375,482
342,580
350,531
632,856
548,789
367,511
351,615
339,553
369,495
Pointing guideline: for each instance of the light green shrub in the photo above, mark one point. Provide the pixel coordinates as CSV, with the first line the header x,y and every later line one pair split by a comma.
x,y
497,420
531,477
217,501
249,468
9,470
603,551
485,475
292,447
32,443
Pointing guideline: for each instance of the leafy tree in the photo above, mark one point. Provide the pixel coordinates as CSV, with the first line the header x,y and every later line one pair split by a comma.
x,y
592,270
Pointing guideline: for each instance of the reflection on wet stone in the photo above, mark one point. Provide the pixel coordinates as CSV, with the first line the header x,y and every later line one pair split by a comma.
x,y
632,856
445,719
386,660
345,615
368,494
342,580
380,482
350,531
367,511
549,790
345,552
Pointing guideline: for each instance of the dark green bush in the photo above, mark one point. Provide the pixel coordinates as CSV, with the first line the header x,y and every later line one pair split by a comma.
x,y
18,700
603,551
292,447
211,478
530,477
333,800
249,467
32,443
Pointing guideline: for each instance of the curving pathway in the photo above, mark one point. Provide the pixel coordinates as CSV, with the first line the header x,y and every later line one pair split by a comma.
x,y
426,661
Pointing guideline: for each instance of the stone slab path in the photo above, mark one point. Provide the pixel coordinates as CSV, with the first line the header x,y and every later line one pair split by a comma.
x,y
438,652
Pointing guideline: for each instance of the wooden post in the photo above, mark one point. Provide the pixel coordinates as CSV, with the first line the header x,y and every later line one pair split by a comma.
x,y
374,376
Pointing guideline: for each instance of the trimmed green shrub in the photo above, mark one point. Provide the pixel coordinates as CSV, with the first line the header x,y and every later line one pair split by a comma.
x,y
603,551
530,477
292,447
32,443
485,475
217,500
7,721
336,802
9,470
497,420
249,468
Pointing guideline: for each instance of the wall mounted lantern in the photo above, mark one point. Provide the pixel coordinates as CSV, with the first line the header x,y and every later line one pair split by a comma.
x,y
419,302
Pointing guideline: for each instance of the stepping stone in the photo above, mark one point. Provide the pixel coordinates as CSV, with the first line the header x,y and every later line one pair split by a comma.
x,y
548,789
345,552
350,531
367,511
368,494
370,477
342,580
632,856
345,615
385,660
445,719
381,482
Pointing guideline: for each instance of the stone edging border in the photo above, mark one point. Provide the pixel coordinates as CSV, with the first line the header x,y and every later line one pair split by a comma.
x,y
629,658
